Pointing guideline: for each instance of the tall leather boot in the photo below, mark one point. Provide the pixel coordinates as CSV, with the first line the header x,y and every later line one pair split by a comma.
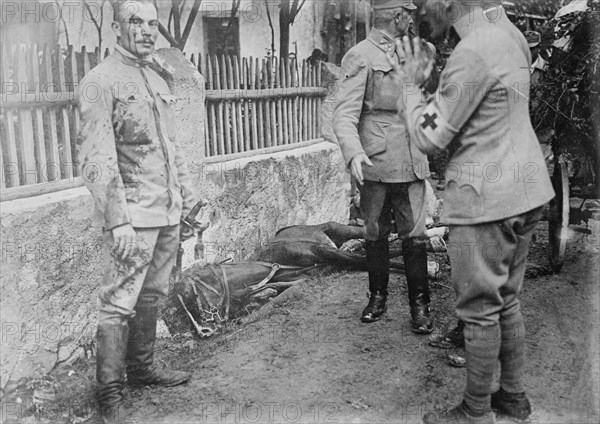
x,y
378,267
415,263
141,370
111,341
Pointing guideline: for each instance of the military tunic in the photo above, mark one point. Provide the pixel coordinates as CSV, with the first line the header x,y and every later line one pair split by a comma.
x,y
499,170
366,120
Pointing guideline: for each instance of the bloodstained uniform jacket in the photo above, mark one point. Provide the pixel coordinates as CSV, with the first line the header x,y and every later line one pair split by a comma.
x,y
499,170
366,119
130,159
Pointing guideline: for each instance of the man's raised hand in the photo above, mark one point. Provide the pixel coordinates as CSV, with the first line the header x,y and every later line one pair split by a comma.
x,y
418,64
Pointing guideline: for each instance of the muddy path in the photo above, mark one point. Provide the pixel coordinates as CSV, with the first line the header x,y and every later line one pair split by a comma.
x,y
307,358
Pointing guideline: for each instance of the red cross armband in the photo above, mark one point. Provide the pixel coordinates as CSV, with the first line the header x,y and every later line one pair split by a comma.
x,y
435,127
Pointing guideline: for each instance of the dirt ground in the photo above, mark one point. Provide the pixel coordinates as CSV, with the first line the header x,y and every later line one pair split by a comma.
x,y
307,358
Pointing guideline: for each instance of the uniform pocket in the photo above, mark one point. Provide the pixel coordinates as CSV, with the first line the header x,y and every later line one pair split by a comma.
x,y
131,120
385,92
167,109
132,193
374,138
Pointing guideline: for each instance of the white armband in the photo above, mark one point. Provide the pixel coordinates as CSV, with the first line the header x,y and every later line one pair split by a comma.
x,y
435,127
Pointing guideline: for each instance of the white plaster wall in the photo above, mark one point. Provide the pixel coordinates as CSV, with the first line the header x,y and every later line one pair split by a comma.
x,y
255,33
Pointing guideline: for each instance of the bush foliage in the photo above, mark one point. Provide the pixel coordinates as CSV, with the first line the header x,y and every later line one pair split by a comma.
x,y
567,97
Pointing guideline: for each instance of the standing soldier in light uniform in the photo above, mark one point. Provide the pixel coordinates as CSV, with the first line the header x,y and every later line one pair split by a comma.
x,y
141,186
497,183
389,169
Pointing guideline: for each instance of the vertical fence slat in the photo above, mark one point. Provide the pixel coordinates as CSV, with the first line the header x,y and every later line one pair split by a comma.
x,y
269,125
305,100
52,151
245,74
289,102
227,115
2,177
284,103
294,83
312,103
259,107
27,148
232,105
213,149
220,109
254,105
319,101
72,58
279,82
66,156
273,103
239,104
11,173
39,134
86,60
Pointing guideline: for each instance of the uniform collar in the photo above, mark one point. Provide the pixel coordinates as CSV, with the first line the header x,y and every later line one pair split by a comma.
x,y
384,42
154,61
130,59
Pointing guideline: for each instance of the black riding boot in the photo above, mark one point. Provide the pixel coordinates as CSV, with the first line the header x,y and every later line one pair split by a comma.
x,y
378,266
415,263
111,341
141,370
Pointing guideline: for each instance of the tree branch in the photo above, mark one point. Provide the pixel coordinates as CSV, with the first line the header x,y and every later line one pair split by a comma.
x,y
176,19
190,22
163,31
272,29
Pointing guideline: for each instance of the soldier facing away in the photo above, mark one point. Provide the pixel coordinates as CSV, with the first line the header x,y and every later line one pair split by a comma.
x,y
389,169
493,201
135,170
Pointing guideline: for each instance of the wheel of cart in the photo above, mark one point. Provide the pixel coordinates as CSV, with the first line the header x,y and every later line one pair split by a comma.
x,y
558,217
561,214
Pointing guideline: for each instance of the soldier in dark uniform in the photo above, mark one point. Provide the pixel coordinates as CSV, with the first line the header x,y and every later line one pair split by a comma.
x,y
496,185
389,169
136,172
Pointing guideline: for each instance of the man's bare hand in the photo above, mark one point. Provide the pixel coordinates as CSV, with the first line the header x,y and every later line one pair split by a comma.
x,y
124,241
356,167
418,63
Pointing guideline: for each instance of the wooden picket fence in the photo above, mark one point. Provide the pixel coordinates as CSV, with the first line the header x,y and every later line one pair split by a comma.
x,y
254,103
39,118
251,104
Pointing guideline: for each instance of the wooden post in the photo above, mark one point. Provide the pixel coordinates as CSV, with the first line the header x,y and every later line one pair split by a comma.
x,y
27,149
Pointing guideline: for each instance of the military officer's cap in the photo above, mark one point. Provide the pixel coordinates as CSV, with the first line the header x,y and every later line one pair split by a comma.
x,y
393,4
533,38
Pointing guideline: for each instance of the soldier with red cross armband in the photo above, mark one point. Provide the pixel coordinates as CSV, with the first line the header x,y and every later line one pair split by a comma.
x,y
497,184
